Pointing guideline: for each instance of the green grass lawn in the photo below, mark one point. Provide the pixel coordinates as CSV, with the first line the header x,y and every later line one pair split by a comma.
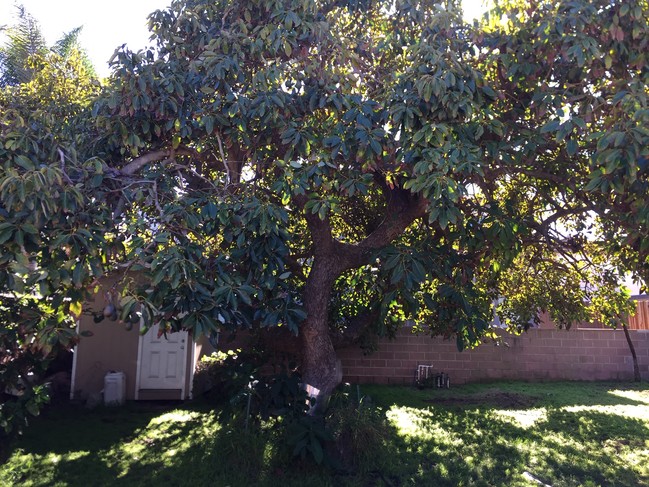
x,y
560,434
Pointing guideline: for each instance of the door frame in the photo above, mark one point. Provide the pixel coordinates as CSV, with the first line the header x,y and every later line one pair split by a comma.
x,y
138,367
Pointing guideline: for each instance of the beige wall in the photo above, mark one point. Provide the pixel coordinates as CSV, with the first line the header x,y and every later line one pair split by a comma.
x,y
112,348
539,354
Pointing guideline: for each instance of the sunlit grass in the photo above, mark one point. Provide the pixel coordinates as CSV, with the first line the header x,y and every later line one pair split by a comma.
x,y
571,434
564,434
622,410
526,418
638,396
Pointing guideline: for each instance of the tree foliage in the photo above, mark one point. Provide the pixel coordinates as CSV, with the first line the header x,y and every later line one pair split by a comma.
x,y
340,167
50,225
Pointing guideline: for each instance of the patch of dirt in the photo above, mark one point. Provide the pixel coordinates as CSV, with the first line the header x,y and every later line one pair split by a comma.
x,y
495,398
617,445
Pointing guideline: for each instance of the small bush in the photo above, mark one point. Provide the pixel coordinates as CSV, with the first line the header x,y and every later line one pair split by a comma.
x,y
309,436
223,376
350,436
280,394
360,430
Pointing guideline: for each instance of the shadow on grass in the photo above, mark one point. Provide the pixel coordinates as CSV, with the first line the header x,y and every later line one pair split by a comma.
x,y
102,427
586,447
559,440
560,446
556,394
78,446
453,447
145,446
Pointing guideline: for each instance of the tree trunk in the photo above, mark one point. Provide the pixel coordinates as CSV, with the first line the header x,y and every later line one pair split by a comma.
x,y
320,365
636,368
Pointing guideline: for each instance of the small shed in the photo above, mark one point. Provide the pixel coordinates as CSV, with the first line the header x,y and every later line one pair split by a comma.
x,y
155,367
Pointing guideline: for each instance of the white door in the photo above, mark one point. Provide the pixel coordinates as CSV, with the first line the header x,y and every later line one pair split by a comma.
x,y
163,360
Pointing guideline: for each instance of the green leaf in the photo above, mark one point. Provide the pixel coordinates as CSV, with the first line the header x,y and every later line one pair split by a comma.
x,y
175,141
24,162
245,297
32,408
76,307
487,90
29,228
5,235
551,126
594,183
209,124
96,180
78,273
288,50
624,9
619,96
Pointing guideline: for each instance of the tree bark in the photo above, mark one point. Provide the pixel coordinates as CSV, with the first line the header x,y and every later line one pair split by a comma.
x,y
636,368
321,367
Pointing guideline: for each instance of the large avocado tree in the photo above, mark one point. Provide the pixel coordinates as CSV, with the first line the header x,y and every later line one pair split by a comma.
x,y
341,167
337,168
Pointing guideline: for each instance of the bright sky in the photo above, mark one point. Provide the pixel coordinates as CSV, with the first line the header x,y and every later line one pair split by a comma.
x,y
108,25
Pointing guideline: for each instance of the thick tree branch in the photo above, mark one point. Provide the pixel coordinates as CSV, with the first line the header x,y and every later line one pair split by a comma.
x,y
138,163
402,210
320,229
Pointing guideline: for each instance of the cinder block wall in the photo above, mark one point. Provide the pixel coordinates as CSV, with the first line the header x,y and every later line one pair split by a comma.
x,y
539,354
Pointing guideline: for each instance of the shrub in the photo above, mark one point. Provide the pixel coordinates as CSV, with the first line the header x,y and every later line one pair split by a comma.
x,y
350,436
359,428
280,395
223,376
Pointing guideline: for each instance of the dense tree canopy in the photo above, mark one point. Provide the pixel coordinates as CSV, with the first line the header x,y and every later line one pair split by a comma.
x,y
339,167
45,192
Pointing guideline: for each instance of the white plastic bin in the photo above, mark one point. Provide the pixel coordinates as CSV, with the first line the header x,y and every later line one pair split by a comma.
x,y
114,388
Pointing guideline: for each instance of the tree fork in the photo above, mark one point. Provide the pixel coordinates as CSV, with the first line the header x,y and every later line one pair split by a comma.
x,y
320,363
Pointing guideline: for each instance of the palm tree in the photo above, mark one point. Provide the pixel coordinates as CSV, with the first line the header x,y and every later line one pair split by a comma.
x,y
68,44
25,41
